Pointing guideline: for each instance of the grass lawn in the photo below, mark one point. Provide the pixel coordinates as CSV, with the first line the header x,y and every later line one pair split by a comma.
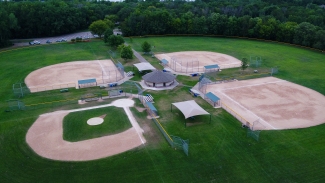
x,y
75,127
218,152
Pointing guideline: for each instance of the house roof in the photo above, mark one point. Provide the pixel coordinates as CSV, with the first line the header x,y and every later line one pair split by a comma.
x,y
158,76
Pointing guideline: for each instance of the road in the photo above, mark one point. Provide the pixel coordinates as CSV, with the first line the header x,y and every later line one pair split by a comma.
x,y
68,37
19,42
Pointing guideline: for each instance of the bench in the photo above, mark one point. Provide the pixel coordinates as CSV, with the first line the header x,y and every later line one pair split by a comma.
x,y
91,99
64,90
112,84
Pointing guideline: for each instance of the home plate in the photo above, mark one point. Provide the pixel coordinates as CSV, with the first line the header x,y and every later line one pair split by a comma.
x,y
95,121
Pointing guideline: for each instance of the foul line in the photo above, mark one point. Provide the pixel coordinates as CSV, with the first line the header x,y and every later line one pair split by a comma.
x,y
246,109
103,70
253,85
134,123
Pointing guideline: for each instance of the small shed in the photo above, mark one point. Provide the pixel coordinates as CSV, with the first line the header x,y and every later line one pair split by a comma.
x,y
159,78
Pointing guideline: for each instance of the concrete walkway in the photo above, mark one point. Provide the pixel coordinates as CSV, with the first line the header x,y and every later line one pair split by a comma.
x,y
139,57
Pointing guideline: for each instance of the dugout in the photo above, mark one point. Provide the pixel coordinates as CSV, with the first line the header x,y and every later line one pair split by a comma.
x,y
211,68
87,83
212,99
164,62
152,108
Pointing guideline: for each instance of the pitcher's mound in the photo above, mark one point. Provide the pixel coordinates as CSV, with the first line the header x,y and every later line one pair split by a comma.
x,y
95,121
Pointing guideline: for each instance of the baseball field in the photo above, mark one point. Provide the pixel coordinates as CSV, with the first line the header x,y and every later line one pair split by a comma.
x,y
219,151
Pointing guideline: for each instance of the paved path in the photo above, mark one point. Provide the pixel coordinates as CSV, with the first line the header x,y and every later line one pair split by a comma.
x,y
139,56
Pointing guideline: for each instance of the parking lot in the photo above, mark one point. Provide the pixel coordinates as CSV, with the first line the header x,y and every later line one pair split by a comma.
x,y
68,37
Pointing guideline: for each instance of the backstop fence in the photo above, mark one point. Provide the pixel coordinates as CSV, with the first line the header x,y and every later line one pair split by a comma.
x,y
110,75
185,66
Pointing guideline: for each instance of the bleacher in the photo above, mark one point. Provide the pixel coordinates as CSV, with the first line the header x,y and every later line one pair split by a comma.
x,y
148,98
129,74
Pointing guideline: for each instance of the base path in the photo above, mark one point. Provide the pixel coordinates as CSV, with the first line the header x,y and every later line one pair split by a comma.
x,y
272,103
45,137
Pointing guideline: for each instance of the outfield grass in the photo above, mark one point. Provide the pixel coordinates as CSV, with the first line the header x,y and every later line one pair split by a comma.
x,y
218,152
75,127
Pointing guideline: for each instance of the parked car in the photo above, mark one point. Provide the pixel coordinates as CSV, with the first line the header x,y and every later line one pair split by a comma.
x,y
48,41
64,40
34,42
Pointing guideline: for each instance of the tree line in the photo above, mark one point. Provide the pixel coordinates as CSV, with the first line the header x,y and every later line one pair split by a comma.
x,y
294,21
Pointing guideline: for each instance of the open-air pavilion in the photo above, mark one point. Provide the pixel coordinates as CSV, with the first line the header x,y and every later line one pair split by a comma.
x,y
144,66
189,109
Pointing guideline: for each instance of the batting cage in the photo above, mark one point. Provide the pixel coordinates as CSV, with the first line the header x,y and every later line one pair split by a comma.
x,y
20,89
14,105
255,61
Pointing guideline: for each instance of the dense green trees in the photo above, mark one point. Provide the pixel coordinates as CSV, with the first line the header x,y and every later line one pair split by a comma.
x,y
126,52
115,41
244,63
293,21
146,47
98,27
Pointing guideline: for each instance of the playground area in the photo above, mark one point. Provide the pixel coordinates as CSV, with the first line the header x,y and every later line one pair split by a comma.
x,y
66,75
194,61
45,137
270,103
